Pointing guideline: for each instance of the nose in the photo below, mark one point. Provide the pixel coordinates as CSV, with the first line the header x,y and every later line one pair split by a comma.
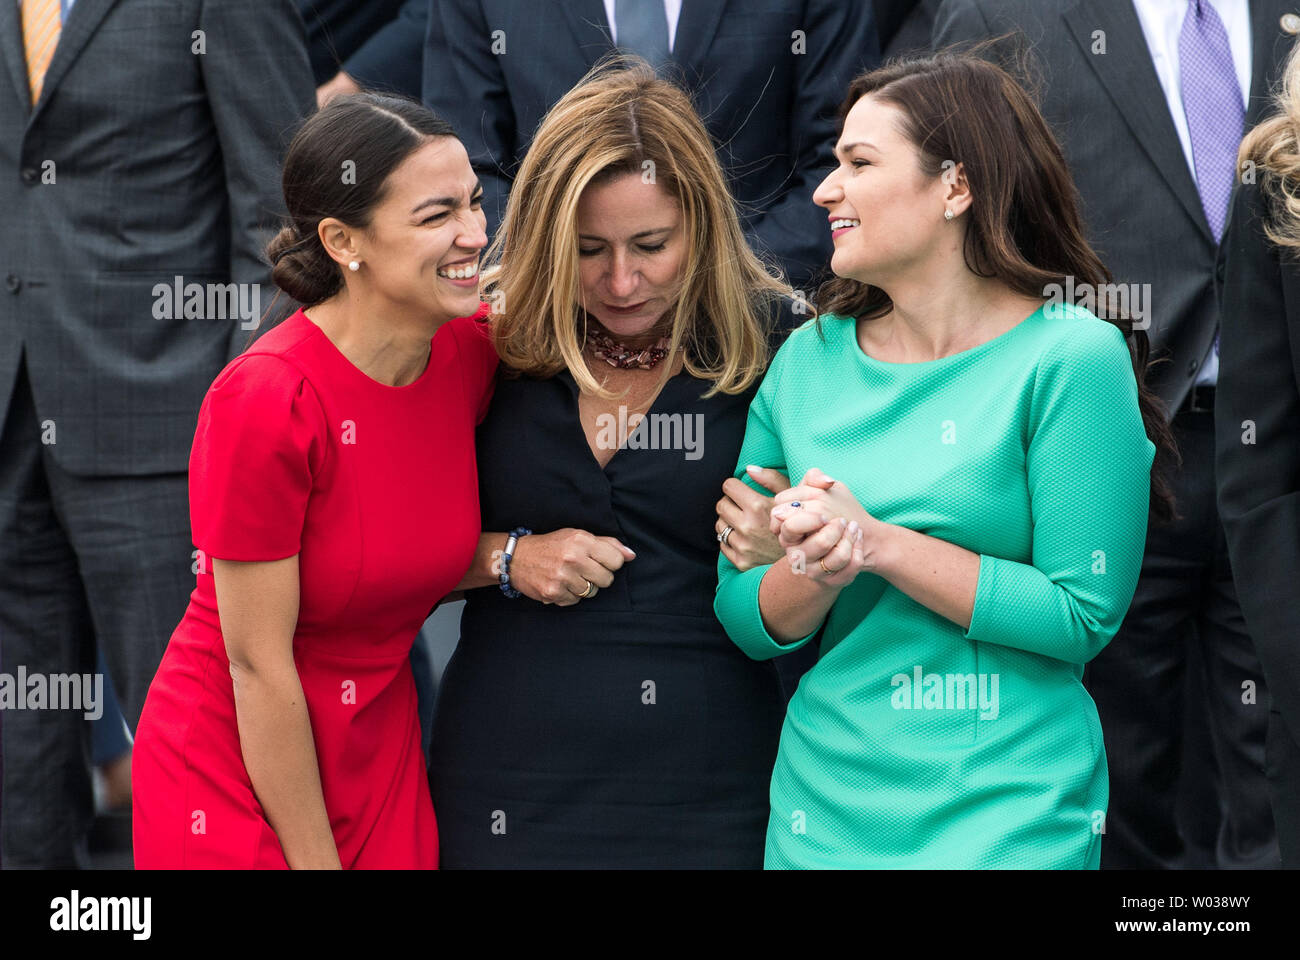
x,y
622,280
473,234
829,192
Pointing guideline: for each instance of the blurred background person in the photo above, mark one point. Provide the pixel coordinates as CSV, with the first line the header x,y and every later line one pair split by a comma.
x,y
365,44
139,141
905,26
765,78
1256,413
1150,99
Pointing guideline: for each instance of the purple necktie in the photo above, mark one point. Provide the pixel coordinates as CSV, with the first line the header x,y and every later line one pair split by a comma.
x,y
1216,118
1212,102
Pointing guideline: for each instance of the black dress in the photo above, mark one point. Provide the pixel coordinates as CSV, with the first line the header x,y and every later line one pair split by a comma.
x,y
626,730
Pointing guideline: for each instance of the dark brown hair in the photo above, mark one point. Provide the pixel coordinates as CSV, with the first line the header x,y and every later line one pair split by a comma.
x,y
1023,226
365,134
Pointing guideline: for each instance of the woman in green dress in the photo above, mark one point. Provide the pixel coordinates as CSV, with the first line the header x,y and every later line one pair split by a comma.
x,y
976,450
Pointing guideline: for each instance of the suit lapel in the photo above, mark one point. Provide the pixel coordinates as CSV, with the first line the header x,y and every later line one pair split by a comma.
x,y
84,17
587,21
1127,73
11,50
695,29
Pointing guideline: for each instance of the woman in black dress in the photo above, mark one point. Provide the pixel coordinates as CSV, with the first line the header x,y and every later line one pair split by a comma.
x,y
602,718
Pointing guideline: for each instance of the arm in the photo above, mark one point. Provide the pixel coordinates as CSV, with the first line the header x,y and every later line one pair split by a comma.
x,y
746,603
1257,455
548,567
259,85
465,85
392,58
842,42
258,605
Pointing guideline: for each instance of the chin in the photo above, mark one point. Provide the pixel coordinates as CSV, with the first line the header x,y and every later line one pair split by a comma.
x,y
844,264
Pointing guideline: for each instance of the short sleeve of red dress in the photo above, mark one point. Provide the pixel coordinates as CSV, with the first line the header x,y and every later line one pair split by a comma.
x,y
259,443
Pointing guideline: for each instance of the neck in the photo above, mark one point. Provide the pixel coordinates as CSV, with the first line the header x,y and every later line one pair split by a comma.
x,y
945,311
394,352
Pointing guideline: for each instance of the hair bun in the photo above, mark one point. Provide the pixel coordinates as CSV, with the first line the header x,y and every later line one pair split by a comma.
x,y
301,268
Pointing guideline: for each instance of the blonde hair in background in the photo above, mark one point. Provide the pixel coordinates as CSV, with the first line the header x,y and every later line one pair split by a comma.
x,y
1274,146
622,118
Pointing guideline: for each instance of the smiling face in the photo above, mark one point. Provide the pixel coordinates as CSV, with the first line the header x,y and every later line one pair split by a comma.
x,y
885,213
422,247
630,253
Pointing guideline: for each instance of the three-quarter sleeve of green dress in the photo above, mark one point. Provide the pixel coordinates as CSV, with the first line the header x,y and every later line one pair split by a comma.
x,y
1089,470
736,601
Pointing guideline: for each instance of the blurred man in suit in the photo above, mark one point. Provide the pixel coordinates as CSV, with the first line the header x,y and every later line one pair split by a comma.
x,y
767,78
140,145
1150,99
365,44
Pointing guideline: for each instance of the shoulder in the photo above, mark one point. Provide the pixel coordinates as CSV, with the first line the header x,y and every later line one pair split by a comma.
x,y
265,390
1069,333
1079,354
473,333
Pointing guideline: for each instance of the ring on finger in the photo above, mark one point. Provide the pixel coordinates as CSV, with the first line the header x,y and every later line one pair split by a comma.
x,y
589,592
726,532
826,569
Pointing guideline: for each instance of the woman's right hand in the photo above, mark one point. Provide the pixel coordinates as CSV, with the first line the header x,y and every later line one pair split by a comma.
x,y
556,567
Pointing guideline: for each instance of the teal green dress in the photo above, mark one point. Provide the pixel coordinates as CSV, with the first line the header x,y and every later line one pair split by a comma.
x,y
912,743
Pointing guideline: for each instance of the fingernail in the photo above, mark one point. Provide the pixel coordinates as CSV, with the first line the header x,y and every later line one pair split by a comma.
x,y
844,521
752,469
780,512
853,527
858,537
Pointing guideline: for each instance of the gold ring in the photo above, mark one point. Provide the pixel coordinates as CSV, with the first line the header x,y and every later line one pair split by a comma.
x,y
590,591
826,569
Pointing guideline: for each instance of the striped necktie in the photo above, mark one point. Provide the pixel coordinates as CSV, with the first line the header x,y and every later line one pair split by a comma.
x,y
42,23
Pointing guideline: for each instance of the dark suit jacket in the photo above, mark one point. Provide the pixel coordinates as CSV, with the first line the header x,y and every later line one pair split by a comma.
x,y
771,111
1259,481
166,163
1140,202
378,43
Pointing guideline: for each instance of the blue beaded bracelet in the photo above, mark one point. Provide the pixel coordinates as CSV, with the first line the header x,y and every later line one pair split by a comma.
x,y
506,554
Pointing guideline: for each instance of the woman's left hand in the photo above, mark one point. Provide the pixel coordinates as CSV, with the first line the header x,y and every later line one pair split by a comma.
x,y
820,494
751,541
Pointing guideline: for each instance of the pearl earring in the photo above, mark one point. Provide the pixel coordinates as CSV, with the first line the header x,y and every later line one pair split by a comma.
x,y
947,214
354,266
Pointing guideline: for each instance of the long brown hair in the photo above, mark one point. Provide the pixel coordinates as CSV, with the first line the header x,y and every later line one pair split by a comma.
x,y
1023,225
623,118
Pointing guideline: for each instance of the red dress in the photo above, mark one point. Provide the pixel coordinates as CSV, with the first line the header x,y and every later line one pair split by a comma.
x,y
375,488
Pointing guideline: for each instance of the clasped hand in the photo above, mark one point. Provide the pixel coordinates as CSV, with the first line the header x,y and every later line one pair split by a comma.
x,y
823,534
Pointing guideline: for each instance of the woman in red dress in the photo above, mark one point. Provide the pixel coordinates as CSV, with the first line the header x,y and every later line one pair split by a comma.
x,y
281,728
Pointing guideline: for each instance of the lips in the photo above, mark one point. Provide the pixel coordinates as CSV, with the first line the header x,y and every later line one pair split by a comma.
x,y
632,308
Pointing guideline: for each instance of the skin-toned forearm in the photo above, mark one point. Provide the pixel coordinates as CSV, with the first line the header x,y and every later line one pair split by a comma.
x,y
936,574
484,570
793,605
276,741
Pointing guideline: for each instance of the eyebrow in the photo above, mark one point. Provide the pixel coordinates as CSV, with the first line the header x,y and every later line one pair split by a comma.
x,y
635,236
845,148
447,201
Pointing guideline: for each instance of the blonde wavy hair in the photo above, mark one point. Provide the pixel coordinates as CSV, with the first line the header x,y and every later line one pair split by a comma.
x,y
623,118
1273,146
